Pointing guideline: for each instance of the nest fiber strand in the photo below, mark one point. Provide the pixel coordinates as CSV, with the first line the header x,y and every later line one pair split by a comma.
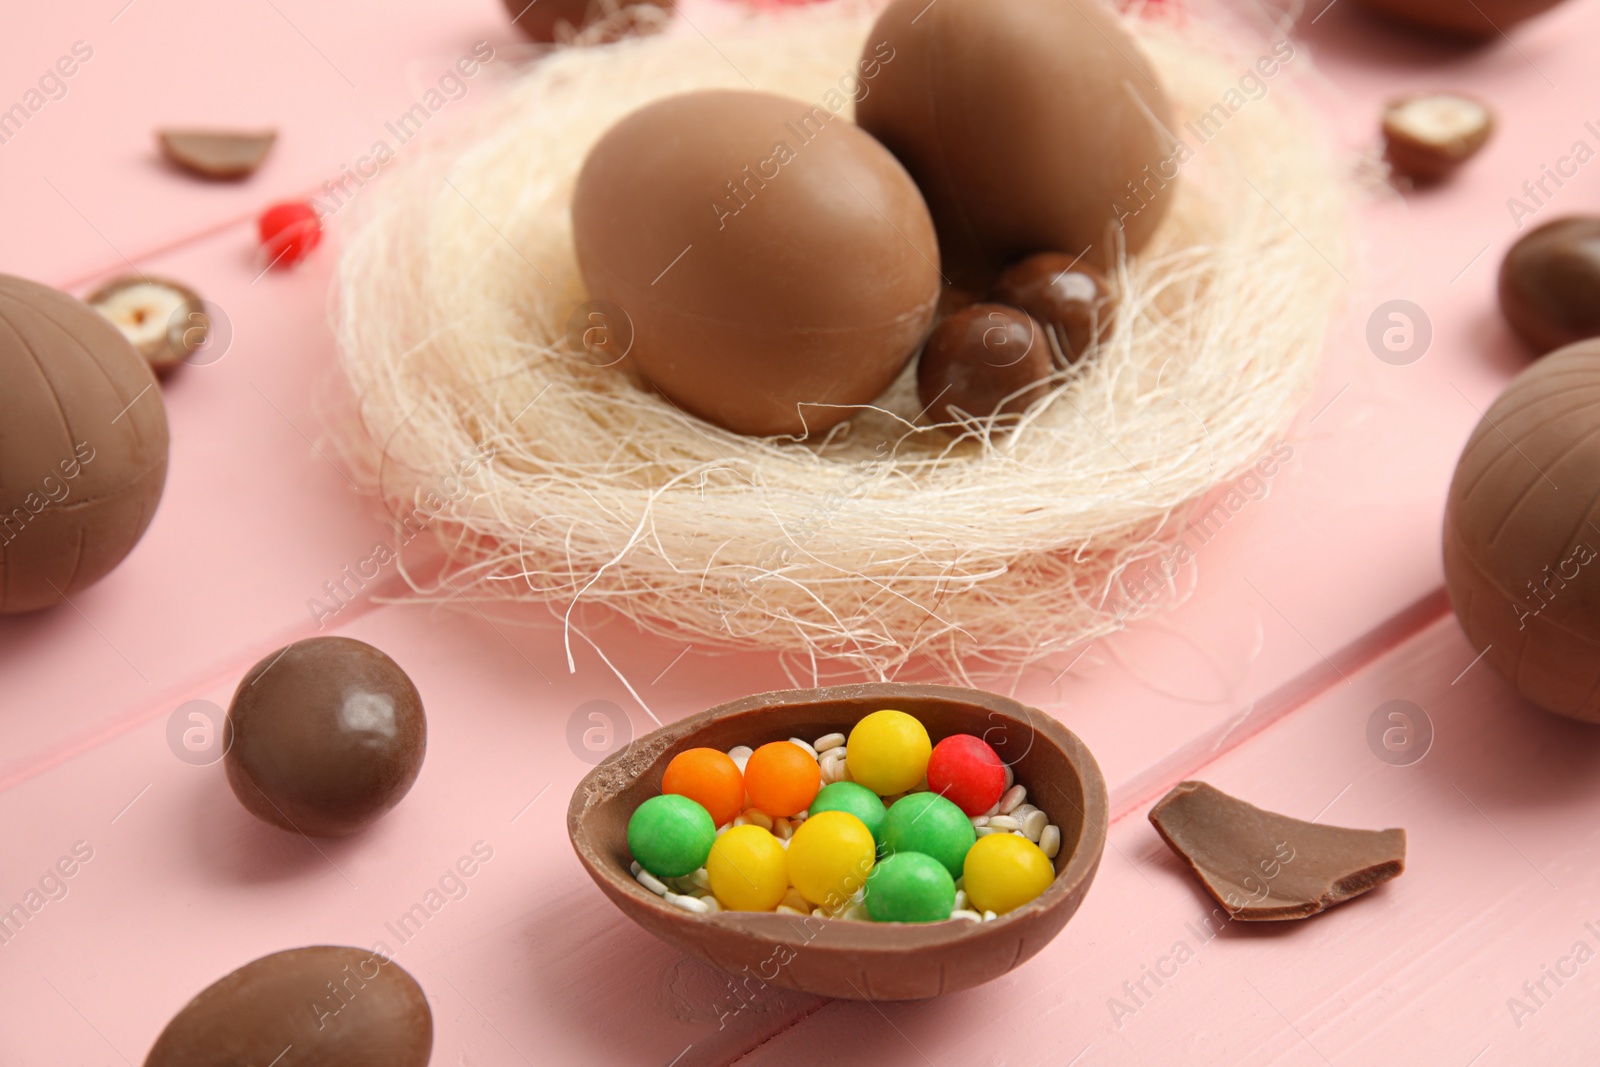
x,y
882,541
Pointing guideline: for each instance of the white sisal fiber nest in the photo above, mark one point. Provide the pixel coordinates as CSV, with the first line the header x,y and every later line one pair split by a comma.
x,y
882,541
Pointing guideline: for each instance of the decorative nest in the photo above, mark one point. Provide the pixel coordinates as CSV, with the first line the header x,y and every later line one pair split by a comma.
x,y
883,540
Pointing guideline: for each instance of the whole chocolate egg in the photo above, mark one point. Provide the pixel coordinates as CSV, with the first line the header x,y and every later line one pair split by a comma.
x,y
774,260
1461,18
1550,284
320,1006
1030,126
539,20
1521,538
83,445
324,736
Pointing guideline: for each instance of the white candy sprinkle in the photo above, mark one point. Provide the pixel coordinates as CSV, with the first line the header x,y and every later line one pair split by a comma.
x,y
699,879
833,766
757,817
652,883
980,821
961,900
985,831
635,868
1050,841
795,902
800,816
827,741
1011,776
740,754
712,904
989,916
784,909
970,916
992,812
805,746
1033,825
1004,822
1019,833
781,828
1011,798
740,820
690,904
1022,811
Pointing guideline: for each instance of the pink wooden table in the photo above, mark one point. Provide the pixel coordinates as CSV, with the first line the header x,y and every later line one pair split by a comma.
x,y
1314,606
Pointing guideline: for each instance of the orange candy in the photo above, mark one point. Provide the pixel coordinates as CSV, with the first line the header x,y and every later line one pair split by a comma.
x,y
711,779
782,778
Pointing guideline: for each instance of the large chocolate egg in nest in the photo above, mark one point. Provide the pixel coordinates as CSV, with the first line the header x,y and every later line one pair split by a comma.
x,y
83,445
1522,533
1030,126
775,261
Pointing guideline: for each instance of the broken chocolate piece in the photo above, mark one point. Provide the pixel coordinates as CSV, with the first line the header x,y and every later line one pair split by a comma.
x,y
1260,865
1427,137
166,321
224,154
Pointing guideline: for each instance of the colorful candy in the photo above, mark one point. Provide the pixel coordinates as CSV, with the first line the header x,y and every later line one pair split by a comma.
x,y
929,824
1004,872
670,835
909,887
888,752
748,869
967,771
782,778
830,856
710,778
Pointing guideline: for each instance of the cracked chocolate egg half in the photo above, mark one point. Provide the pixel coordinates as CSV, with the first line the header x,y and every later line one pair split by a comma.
x,y
165,321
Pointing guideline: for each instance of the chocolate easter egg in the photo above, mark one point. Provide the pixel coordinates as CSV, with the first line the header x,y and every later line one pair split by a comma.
x,y
775,262
1460,18
323,1006
1030,126
1521,540
83,445
1550,283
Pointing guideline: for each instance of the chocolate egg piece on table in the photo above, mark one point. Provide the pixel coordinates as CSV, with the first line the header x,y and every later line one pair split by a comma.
x,y
1550,284
83,446
1028,124
324,736
1520,544
1473,19
1065,295
1429,135
984,360
304,1007
777,264
166,321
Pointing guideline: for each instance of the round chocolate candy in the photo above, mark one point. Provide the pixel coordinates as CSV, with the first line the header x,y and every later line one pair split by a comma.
x,y
776,263
853,799
1550,284
929,824
83,446
909,887
1029,125
1477,19
671,835
304,1007
986,359
324,736
1068,297
1520,544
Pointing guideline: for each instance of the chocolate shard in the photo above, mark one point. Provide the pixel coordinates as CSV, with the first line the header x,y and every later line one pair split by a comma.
x,y
1262,866
224,154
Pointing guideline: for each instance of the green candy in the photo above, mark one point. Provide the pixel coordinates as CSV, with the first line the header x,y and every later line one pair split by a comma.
x,y
932,825
852,799
909,887
671,835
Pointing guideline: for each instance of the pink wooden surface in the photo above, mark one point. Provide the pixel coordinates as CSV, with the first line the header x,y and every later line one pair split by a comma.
x,y
1312,606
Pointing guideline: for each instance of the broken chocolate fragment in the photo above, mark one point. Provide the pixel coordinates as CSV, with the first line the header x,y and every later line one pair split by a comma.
x,y
166,320
223,154
1427,137
1260,865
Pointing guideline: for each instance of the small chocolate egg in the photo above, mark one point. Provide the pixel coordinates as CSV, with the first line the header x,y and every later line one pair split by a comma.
x,y
776,263
540,20
1478,19
324,736
1068,297
1521,548
83,446
1030,126
1550,284
321,1006
986,359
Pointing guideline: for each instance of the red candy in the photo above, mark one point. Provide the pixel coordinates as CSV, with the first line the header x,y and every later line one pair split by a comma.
x,y
289,232
965,770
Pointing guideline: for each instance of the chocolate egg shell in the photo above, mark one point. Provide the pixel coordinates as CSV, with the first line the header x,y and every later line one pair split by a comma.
x,y
1067,296
1429,135
1520,536
324,736
771,256
323,1006
1030,126
1475,19
542,20
165,321
83,446
1550,284
845,958
984,360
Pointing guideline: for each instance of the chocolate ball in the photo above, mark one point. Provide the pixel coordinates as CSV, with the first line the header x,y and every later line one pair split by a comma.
x,y
83,446
775,261
324,736
1070,299
1030,126
1520,536
986,359
540,21
1550,284
1474,19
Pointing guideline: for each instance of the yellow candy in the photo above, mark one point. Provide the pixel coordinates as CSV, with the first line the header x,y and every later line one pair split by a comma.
x,y
1004,871
888,752
748,869
830,856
